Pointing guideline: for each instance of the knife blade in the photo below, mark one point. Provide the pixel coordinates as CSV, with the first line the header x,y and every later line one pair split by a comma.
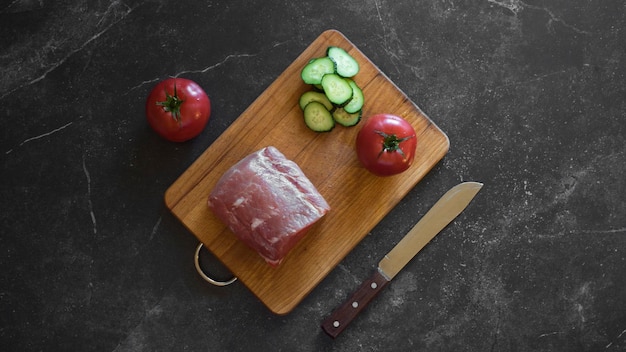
x,y
447,208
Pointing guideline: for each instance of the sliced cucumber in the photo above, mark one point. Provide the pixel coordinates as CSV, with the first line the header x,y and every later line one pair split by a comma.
x,y
356,103
345,64
312,95
317,117
313,72
344,118
335,98
337,89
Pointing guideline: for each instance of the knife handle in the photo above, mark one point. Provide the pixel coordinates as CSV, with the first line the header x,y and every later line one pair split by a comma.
x,y
346,312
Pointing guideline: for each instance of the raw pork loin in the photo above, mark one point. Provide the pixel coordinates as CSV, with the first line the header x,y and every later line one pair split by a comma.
x,y
268,203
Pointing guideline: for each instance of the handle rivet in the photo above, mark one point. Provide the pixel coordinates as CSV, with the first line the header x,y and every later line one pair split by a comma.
x,y
373,285
336,323
355,304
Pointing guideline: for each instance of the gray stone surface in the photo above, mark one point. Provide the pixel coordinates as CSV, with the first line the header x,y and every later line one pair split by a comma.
x,y
532,95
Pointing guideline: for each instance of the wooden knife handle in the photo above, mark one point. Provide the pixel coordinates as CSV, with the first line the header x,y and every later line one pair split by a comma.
x,y
346,312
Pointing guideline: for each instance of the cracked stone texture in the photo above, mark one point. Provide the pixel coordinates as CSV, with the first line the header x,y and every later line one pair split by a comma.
x,y
532,95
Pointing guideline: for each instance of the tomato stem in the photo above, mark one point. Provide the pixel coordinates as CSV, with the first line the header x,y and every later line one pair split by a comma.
x,y
172,104
391,143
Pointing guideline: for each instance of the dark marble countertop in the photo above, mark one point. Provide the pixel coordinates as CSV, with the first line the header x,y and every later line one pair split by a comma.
x,y
532,95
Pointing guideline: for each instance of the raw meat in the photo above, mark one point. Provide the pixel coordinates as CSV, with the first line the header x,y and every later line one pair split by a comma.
x,y
268,203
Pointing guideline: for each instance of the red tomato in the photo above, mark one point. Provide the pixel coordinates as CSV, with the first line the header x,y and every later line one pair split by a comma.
x,y
178,109
385,145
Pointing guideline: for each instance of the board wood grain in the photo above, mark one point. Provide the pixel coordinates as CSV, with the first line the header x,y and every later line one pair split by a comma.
x,y
359,200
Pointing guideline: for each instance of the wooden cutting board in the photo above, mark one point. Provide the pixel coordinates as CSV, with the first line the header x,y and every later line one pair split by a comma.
x,y
359,200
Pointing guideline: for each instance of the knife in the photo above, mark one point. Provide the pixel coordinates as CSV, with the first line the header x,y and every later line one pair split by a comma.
x,y
436,219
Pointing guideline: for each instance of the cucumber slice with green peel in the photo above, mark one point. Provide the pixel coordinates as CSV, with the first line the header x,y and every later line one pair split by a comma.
x,y
344,118
311,96
356,103
337,89
345,64
317,117
313,72
334,98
